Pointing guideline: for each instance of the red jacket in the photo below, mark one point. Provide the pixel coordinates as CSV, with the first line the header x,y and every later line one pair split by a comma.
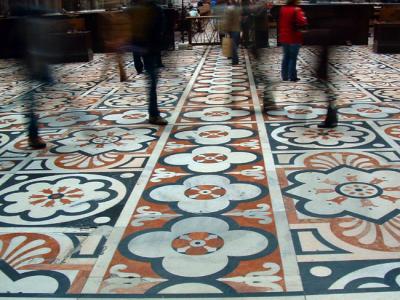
x,y
290,17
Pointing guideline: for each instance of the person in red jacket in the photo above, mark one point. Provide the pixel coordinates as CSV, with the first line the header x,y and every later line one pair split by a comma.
x,y
291,19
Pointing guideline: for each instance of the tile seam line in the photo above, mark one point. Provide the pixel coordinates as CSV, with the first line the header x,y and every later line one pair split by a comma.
x,y
282,226
100,267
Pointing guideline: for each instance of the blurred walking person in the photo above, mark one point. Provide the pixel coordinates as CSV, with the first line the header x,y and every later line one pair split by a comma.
x,y
116,31
232,27
291,20
37,52
147,21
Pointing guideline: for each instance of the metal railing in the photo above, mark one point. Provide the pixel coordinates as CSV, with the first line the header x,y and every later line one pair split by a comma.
x,y
204,30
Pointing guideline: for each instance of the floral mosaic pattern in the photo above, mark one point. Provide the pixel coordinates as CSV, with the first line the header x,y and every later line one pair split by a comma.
x,y
367,195
339,185
58,199
225,201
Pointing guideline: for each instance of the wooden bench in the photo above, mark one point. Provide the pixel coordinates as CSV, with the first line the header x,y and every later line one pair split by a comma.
x,y
387,30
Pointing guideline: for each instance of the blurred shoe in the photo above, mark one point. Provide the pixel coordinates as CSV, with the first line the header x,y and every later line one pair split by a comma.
x,y
295,79
37,143
123,77
331,119
158,121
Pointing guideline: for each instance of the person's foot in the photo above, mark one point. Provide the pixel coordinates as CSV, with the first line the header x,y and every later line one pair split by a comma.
x,y
331,119
295,79
160,66
36,143
139,72
158,121
123,77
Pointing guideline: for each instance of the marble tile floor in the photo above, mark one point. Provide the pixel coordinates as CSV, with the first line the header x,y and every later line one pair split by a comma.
x,y
225,202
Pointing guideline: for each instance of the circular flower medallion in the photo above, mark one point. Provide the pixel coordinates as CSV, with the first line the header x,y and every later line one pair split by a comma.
x,y
210,158
197,243
310,135
205,192
197,246
358,190
59,199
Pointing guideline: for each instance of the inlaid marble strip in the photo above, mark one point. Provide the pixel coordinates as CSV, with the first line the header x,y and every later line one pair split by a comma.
x,y
96,276
209,183
291,270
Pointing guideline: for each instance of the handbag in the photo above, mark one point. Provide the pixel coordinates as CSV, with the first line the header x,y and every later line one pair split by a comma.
x,y
227,46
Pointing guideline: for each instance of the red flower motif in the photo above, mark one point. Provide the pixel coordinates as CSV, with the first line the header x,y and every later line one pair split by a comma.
x,y
197,243
64,195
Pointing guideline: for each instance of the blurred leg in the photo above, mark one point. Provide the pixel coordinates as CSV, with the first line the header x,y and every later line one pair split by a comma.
x,y
121,68
285,62
292,65
137,61
151,69
150,65
235,45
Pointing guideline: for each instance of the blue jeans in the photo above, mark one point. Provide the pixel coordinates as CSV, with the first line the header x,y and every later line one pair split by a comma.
x,y
290,53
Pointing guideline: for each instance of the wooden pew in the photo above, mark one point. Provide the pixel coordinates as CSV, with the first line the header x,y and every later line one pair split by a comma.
x,y
387,30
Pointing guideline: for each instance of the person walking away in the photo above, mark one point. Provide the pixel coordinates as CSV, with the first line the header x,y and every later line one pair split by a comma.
x,y
147,21
291,20
232,26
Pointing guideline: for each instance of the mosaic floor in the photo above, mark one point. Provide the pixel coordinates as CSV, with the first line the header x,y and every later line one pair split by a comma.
x,y
227,201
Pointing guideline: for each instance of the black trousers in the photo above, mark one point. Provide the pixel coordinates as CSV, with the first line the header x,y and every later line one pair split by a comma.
x,y
150,64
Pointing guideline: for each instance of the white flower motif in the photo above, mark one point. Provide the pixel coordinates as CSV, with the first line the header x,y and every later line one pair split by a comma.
x,y
311,135
10,120
222,81
220,89
369,110
205,193
219,99
299,112
94,142
197,246
210,159
60,198
392,94
126,101
216,114
68,119
369,195
127,117
213,134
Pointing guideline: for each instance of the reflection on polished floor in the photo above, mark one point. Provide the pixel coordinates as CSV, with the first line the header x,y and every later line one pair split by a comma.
x,y
226,201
